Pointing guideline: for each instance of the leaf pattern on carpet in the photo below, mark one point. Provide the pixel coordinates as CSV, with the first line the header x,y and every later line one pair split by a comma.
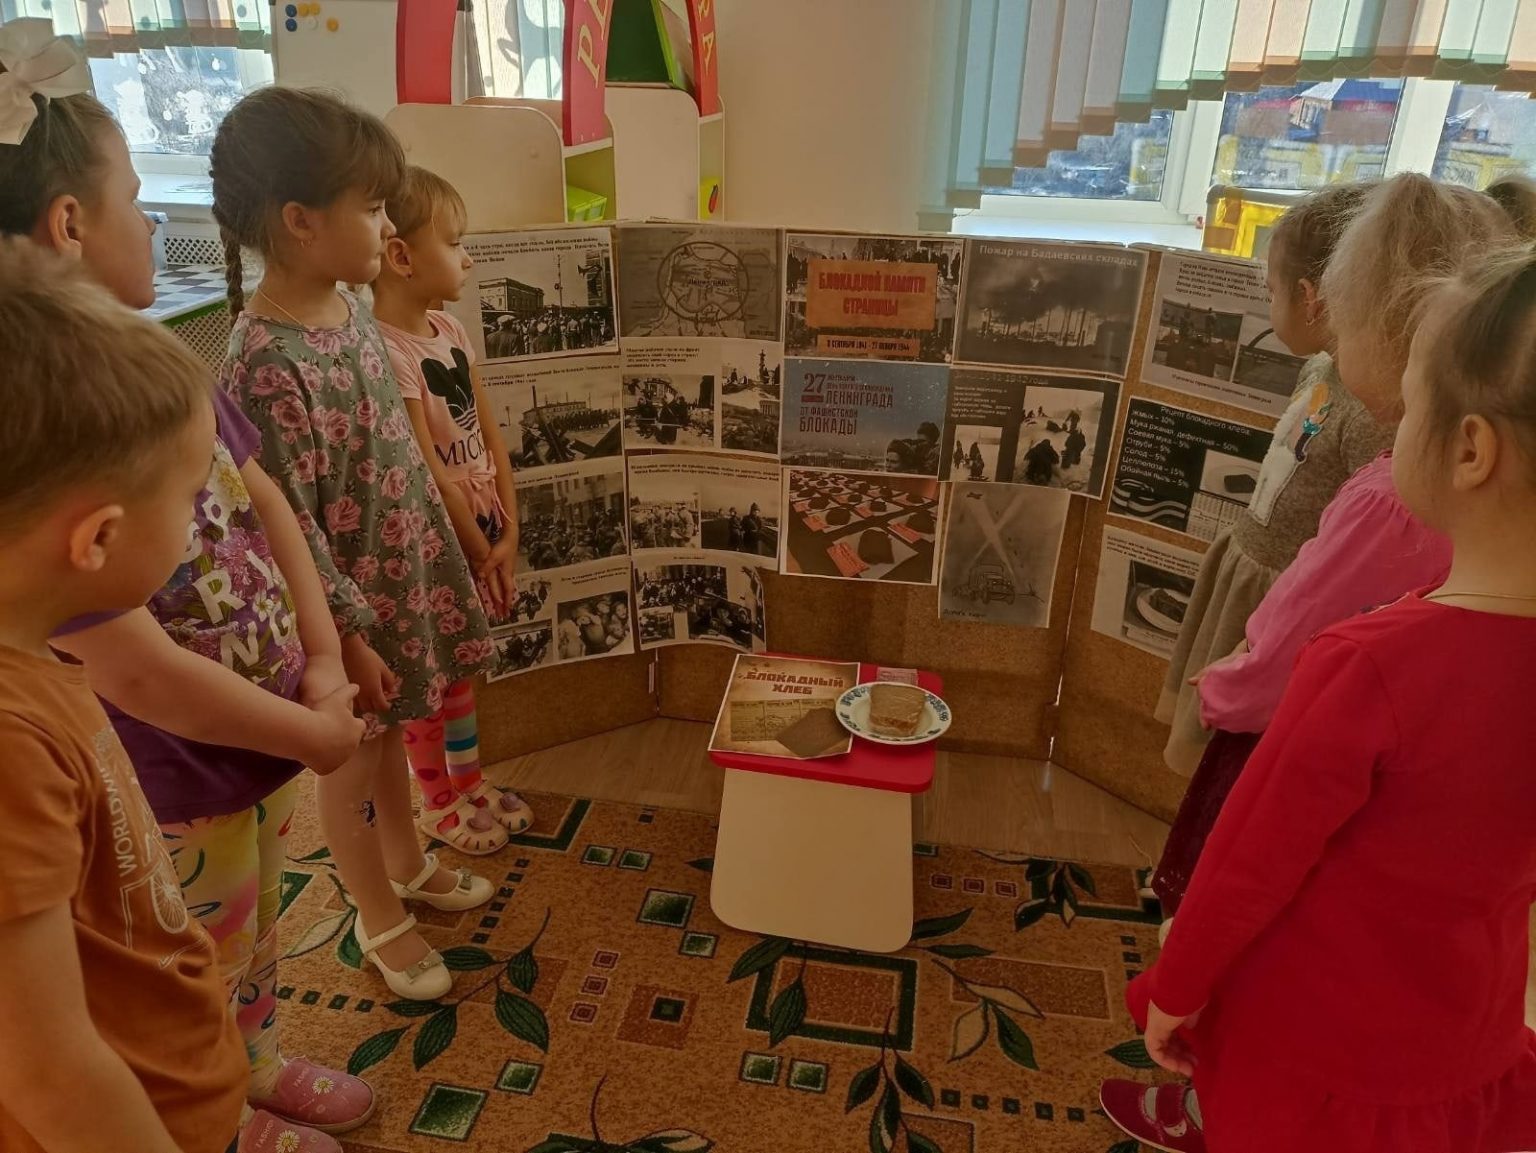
x,y
599,1006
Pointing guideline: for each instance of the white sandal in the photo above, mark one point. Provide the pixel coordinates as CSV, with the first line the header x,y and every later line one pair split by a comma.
x,y
503,806
426,980
464,836
469,892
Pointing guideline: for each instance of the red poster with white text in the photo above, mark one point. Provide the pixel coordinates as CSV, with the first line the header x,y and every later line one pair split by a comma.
x,y
587,24
706,61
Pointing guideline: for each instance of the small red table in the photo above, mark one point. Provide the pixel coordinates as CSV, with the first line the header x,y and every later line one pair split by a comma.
x,y
821,850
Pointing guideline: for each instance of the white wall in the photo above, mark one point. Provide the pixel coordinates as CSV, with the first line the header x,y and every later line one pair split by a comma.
x,y
825,104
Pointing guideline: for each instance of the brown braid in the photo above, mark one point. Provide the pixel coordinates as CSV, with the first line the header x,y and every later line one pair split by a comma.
x,y
234,272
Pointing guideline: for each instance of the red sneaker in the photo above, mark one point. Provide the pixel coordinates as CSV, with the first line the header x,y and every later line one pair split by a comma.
x,y
1165,1117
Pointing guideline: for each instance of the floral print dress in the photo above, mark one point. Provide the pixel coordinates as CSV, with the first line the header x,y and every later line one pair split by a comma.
x,y
336,438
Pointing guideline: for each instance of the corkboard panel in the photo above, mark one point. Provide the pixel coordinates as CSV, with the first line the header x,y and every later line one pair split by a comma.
x,y
1105,730
549,707
1000,682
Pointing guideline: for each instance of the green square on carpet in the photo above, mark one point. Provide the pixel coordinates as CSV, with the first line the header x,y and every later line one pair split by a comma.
x,y
520,1077
448,1112
670,910
760,1069
809,1076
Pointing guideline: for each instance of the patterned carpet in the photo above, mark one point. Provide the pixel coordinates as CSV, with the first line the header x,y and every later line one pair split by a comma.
x,y
600,1007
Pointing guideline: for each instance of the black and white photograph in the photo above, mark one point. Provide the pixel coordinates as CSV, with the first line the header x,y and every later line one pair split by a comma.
x,y
974,452
751,396
698,281
1034,304
861,526
1027,428
558,412
664,523
1059,438
595,626
1265,366
1185,471
571,516
865,416
875,297
1000,553
540,293
1212,336
1143,591
669,396
1199,341
723,505
531,600
702,597
522,648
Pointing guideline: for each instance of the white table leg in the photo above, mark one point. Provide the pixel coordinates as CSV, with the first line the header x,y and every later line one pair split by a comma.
x,y
814,861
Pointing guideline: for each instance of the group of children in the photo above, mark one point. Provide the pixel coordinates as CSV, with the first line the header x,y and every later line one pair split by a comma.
x,y
1350,875
311,551
1346,970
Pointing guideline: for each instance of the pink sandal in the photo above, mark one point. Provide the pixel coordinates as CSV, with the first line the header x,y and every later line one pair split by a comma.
x,y
264,1133
505,807
324,1099
473,831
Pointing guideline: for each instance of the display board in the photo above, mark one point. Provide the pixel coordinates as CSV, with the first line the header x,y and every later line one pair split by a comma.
x,y
1177,454
917,451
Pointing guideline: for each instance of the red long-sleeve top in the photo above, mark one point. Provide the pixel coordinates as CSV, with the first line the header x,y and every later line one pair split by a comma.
x,y
1360,914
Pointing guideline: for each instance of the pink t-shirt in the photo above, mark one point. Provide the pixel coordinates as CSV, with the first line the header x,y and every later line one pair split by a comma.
x,y
1369,551
435,370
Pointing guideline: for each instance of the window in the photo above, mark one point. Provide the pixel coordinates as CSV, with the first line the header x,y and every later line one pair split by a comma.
x,y
520,44
1306,136
1152,181
170,100
1128,165
1486,134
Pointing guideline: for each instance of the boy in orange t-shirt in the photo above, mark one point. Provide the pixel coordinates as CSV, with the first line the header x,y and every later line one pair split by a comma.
x,y
114,1027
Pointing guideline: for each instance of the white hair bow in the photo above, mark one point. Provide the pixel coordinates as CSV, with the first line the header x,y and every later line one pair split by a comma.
x,y
36,63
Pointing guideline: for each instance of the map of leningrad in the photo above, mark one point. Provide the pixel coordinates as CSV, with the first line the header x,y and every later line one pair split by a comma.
x,y
676,281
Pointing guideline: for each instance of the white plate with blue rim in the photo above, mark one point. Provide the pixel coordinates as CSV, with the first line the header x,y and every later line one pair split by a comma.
x,y
853,715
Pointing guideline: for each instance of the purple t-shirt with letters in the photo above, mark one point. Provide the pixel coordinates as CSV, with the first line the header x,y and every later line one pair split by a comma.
x,y
229,603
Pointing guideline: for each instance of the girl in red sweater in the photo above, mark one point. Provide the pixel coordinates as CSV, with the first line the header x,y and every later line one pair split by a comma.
x,y
1347,972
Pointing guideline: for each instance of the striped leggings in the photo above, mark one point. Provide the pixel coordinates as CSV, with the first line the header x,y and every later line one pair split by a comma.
x,y
444,749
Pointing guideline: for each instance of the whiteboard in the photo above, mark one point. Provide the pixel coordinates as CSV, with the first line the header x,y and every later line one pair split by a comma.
x,y
356,57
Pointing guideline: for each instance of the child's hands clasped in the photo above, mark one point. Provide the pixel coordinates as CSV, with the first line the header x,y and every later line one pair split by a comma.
x,y
377,686
1168,1046
496,572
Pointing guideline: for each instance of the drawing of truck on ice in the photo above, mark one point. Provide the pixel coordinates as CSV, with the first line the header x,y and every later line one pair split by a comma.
x,y
987,582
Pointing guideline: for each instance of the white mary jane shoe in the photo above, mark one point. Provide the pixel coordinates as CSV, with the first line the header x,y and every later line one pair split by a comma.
x,y
426,980
469,892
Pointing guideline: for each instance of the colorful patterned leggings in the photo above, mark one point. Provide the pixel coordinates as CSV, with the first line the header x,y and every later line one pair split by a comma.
x,y
444,749
231,871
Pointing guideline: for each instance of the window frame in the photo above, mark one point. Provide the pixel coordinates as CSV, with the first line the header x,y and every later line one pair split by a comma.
x,y
1192,157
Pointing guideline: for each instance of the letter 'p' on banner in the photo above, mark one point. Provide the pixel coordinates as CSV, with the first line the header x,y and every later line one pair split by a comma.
x,y
587,24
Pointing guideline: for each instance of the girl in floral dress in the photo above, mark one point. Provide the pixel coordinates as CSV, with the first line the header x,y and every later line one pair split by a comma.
x,y
302,178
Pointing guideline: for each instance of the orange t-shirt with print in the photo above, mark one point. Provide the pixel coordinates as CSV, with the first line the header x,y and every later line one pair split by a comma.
x,y
75,828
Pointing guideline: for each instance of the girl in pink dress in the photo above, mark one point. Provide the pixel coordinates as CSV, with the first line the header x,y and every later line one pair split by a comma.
x,y
425,264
